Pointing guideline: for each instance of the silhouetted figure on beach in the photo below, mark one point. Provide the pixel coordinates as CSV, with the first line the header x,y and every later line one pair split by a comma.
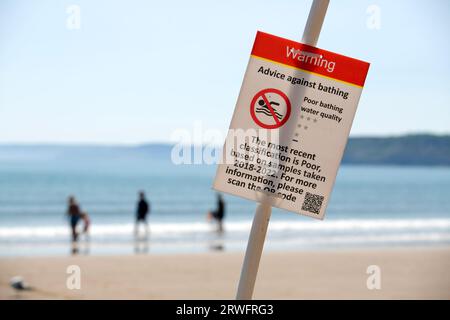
x,y
142,210
219,213
74,213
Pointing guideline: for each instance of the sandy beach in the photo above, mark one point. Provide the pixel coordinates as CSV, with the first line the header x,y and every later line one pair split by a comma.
x,y
405,274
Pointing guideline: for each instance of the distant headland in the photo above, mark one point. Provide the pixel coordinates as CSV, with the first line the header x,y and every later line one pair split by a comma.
x,y
406,150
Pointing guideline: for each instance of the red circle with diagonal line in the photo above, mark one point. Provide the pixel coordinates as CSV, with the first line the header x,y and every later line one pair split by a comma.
x,y
262,96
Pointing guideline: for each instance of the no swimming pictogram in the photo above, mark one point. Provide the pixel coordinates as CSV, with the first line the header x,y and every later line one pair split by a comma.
x,y
270,108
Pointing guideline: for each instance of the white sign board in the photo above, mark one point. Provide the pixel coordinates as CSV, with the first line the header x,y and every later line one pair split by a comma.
x,y
290,125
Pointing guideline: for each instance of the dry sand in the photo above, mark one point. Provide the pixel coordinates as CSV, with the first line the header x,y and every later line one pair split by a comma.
x,y
405,274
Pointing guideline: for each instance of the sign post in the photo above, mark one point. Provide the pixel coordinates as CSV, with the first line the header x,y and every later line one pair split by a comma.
x,y
254,250
263,211
289,130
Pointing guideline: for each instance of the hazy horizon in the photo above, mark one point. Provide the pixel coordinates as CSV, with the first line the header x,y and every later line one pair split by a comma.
x,y
142,143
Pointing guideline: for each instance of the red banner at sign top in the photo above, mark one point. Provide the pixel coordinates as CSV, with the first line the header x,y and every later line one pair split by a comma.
x,y
308,58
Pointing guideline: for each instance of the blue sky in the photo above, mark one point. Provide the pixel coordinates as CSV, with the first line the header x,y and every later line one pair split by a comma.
x,y
138,70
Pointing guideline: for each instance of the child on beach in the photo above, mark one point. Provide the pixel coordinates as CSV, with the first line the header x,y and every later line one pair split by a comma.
x,y
86,222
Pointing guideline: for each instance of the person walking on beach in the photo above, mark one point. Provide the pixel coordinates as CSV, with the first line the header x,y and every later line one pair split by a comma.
x,y
219,213
142,210
74,213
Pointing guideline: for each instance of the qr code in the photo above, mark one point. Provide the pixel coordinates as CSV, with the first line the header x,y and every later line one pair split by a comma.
x,y
312,203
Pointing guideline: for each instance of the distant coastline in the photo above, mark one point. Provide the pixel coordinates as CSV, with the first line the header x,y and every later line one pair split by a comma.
x,y
406,150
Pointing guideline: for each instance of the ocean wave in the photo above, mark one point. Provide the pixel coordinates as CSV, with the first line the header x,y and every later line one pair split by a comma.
x,y
159,228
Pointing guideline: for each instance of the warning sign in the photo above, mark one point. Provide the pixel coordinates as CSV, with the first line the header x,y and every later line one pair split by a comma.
x,y
270,108
290,125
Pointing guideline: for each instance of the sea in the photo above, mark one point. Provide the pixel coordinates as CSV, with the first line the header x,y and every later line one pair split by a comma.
x,y
370,207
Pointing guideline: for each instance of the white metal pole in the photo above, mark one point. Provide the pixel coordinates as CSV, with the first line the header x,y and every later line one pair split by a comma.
x,y
254,250
263,211
315,22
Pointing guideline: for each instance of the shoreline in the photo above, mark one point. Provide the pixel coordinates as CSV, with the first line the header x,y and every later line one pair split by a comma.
x,y
406,273
200,237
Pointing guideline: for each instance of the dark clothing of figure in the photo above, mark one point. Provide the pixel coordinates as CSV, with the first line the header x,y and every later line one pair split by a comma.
x,y
142,210
74,221
74,210
220,212
74,214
